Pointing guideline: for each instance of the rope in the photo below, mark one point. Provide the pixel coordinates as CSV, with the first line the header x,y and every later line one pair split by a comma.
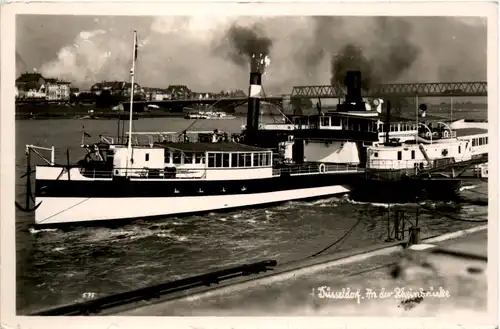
x,y
64,210
196,120
282,113
336,242
482,193
452,217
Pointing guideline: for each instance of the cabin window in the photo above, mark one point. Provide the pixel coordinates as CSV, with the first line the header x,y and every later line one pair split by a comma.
x,y
486,140
325,121
375,155
335,121
248,159
167,156
234,160
218,160
211,160
241,159
400,155
413,154
177,156
188,158
225,160
459,149
200,158
256,159
147,157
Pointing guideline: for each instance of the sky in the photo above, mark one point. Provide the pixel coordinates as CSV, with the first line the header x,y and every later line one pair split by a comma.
x,y
204,53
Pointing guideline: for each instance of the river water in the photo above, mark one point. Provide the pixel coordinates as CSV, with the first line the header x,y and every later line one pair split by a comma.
x,y
55,267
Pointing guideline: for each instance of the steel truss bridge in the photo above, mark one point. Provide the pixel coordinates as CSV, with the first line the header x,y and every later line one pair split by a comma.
x,y
436,89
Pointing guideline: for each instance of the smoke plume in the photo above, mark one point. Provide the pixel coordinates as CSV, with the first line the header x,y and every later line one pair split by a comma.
x,y
213,53
351,58
391,56
248,44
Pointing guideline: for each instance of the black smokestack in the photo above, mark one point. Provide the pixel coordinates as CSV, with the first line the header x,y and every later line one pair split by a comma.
x,y
353,85
254,100
387,121
353,100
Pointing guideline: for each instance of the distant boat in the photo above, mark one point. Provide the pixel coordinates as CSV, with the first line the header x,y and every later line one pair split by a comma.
x,y
210,115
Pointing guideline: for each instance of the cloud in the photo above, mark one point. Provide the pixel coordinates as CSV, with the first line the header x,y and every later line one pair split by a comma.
x,y
196,50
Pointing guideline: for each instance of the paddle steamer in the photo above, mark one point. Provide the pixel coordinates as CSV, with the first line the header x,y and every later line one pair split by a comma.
x,y
145,175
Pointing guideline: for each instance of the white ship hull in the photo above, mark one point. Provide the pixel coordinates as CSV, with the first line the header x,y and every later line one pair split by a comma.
x,y
55,211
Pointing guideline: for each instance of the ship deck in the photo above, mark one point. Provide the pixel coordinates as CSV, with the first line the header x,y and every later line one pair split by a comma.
x,y
211,147
462,132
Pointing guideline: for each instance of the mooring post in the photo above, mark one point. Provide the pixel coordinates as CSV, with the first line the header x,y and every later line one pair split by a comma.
x,y
389,237
52,155
414,235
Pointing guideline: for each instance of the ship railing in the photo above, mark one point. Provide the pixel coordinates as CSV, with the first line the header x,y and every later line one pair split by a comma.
x,y
318,168
34,148
411,167
144,173
398,164
149,138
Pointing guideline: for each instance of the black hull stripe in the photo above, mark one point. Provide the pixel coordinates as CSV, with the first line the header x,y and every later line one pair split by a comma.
x,y
155,189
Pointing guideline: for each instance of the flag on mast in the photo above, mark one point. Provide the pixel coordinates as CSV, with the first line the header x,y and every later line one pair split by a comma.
x,y
136,45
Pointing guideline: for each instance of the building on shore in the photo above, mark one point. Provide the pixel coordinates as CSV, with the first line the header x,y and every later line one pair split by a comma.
x,y
118,89
58,90
183,92
34,86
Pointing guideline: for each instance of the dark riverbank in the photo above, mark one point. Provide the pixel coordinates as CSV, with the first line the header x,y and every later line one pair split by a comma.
x,y
83,111
95,116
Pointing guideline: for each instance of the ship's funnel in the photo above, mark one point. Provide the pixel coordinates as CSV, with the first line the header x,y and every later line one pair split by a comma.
x,y
254,93
352,83
353,100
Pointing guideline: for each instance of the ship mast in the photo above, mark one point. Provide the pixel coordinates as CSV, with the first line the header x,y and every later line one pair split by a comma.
x,y
132,89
